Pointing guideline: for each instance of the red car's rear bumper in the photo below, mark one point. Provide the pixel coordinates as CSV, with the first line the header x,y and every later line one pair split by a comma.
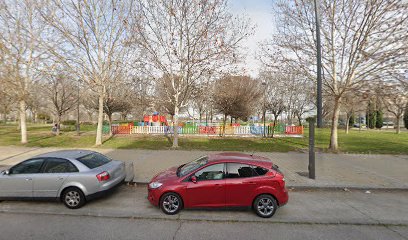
x,y
283,197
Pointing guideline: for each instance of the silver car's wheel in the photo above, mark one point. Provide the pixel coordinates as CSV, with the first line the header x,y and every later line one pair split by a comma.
x,y
171,203
73,198
265,206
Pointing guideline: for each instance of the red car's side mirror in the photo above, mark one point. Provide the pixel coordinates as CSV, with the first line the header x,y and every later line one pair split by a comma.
x,y
194,179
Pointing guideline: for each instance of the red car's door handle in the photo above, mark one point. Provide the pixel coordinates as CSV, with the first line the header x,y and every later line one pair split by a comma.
x,y
218,185
252,183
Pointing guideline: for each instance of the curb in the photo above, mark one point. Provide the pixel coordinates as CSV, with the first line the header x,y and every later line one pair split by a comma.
x,y
182,218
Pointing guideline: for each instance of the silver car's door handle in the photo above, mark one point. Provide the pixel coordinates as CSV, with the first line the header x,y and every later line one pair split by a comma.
x,y
60,178
28,179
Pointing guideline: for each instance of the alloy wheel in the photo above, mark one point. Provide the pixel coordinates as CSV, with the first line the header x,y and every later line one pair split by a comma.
x,y
72,198
171,203
265,206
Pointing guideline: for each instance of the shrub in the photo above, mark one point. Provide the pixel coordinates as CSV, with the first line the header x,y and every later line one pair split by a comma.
x,y
69,122
87,123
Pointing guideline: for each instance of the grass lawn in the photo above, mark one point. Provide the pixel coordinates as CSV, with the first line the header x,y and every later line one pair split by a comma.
x,y
373,141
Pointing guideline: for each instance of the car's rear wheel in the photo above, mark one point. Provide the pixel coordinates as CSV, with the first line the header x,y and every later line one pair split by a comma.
x,y
73,198
171,203
265,206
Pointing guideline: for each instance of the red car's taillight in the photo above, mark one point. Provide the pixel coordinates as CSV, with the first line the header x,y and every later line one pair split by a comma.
x,y
103,176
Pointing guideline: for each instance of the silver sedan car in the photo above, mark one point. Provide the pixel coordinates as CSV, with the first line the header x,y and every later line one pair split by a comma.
x,y
72,176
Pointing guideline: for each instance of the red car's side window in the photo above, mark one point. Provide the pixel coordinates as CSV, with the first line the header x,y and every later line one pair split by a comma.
x,y
213,172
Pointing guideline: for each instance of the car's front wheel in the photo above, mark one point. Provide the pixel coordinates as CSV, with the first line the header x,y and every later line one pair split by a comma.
x,y
171,203
73,198
265,206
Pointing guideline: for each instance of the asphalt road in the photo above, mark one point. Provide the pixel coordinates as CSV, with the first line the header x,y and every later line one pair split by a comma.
x,y
47,227
126,214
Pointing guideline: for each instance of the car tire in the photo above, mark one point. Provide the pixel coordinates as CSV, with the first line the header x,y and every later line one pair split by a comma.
x,y
265,206
171,203
73,198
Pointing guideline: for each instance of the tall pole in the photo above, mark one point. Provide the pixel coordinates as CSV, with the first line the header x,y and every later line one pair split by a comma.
x,y
312,156
319,67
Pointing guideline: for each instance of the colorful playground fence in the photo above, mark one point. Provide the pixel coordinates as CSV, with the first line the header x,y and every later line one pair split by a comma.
x,y
206,130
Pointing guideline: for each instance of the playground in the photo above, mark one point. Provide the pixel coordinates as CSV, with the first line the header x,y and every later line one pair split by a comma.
x,y
158,124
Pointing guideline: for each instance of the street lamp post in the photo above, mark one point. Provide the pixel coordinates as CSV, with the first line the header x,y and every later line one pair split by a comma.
x,y
312,156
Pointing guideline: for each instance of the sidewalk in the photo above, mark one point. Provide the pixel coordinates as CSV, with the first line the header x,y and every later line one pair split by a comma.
x,y
304,207
332,170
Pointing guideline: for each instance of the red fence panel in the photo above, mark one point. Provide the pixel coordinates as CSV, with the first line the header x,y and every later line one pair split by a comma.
x,y
207,130
121,129
294,130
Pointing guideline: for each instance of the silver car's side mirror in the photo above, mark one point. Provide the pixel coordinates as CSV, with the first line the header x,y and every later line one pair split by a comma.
x,y
6,172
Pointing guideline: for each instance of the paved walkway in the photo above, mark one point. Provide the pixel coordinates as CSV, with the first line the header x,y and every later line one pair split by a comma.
x,y
332,170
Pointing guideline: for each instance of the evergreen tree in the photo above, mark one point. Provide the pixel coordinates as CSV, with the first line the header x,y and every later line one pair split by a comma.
x,y
371,115
352,120
379,119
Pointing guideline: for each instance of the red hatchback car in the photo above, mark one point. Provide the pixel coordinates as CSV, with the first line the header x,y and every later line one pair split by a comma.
x,y
220,180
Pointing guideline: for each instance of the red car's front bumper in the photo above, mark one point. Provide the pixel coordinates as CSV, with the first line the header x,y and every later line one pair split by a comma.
x,y
154,196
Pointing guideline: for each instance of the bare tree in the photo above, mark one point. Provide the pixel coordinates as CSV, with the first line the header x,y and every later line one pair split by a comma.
x,y
61,91
276,94
20,31
352,103
91,41
395,102
236,96
118,100
360,40
6,100
185,40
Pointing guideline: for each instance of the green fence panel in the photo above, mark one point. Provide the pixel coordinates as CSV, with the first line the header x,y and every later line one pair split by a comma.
x,y
189,130
105,129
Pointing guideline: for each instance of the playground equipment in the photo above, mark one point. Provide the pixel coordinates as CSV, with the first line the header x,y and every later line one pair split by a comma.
x,y
154,120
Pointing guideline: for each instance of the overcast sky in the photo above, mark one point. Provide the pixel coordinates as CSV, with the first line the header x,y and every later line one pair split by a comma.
x,y
260,13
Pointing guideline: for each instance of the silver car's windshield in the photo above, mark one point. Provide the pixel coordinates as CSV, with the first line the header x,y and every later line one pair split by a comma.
x,y
191,166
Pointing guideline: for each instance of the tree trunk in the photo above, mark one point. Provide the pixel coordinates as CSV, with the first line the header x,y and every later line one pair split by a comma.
x,y
98,141
90,116
333,135
175,127
23,123
398,124
5,118
223,126
34,116
299,117
58,124
275,120
348,122
211,115
264,122
110,124
289,118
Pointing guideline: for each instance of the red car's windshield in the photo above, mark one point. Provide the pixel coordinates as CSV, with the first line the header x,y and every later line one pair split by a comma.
x,y
191,166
